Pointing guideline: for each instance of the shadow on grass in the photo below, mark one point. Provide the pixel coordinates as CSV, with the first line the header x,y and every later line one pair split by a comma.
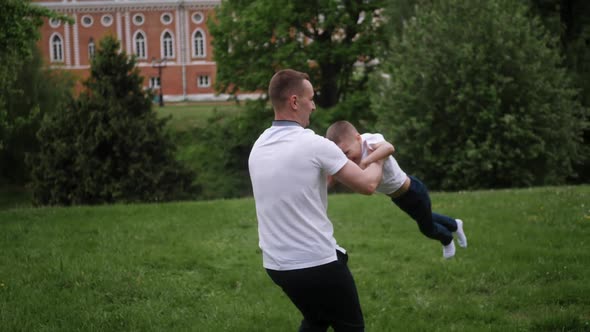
x,y
12,196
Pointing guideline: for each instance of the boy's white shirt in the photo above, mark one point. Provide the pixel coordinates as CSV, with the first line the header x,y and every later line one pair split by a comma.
x,y
288,168
393,176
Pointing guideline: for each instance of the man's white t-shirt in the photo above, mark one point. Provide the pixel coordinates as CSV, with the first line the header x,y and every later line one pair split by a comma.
x,y
393,176
288,168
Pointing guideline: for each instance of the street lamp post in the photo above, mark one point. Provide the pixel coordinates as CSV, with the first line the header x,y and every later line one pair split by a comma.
x,y
159,63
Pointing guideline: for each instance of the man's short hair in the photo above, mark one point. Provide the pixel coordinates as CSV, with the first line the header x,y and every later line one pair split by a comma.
x,y
285,83
340,130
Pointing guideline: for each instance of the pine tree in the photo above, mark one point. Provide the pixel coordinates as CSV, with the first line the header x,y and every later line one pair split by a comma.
x,y
108,145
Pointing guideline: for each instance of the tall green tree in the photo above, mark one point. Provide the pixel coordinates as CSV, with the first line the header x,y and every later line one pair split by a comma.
x,y
108,145
474,95
570,20
254,39
37,90
19,24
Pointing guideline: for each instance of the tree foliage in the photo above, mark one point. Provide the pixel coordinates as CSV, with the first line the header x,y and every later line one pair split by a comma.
x,y
480,104
35,91
19,24
254,39
570,20
108,145
220,150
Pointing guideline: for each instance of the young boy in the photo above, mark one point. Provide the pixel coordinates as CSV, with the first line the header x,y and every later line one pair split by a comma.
x,y
407,192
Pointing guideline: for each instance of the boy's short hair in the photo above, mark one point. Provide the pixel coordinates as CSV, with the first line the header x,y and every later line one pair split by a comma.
x,y
340,130
285,83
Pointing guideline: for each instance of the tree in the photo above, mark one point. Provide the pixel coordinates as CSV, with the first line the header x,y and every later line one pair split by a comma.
x,y
108,145
36,91
481,104
570,20
19,24
325,38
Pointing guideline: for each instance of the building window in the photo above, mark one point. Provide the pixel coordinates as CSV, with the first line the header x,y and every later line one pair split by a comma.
x,y
107,20
91,49
167,45
198,17
56,46
87,21
203,81
199,44
166,18
154,82
140,47
54,23
138,19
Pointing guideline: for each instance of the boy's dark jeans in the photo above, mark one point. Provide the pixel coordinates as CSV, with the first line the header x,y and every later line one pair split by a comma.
x,y
416,203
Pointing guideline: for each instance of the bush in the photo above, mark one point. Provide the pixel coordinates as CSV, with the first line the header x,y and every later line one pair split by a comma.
x,y
108,145
221,150
474,95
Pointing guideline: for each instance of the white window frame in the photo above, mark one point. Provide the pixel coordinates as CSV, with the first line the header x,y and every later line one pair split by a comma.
x,y
87,25
135,19
203,81
168,14
136,49
167,45
91,49
203,41
104,17
154,82
196,21
54,22
56,48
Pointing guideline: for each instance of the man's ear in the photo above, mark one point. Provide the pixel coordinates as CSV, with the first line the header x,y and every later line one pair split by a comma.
x,y
293,101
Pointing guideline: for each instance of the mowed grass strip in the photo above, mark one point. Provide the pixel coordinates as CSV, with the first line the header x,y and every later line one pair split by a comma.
x,y
187,116
196,266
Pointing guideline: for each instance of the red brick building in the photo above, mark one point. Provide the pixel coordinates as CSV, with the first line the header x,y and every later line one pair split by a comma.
x,y
172,34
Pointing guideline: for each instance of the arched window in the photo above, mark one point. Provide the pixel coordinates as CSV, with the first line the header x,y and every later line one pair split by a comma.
x,y
56,46
199,44
140,47
91,48
167,45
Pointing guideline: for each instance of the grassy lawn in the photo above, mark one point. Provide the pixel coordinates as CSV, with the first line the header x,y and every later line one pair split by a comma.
x,y
186,116
196,266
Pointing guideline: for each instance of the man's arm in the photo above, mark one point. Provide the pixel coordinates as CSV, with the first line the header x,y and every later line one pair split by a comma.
x,y
381,151
361,181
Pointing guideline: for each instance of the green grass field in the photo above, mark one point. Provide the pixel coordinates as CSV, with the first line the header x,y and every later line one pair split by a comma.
x,y
196,266
186,116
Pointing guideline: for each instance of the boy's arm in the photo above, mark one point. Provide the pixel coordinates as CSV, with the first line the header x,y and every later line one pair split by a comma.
x,y
361,181
381,151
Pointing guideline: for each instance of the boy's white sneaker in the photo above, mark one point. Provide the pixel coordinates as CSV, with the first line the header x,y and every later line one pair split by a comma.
x,y
449,250
461,238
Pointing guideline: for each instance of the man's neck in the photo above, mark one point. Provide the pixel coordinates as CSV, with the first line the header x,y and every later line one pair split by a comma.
x,y
285,123
281,117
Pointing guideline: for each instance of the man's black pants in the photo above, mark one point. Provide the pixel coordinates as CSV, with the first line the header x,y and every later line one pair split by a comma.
x,y
326,295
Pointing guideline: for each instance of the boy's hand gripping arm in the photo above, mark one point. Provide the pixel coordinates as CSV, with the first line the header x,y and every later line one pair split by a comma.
x,y
381,151
361,181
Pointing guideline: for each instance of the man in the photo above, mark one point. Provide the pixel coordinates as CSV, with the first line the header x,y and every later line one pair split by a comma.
x,y
289,166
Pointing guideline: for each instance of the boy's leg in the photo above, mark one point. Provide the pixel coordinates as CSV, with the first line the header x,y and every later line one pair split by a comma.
x,y
416,203
326,295
453,225
448,222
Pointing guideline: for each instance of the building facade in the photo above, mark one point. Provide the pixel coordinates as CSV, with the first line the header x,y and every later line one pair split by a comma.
x,y
169,38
